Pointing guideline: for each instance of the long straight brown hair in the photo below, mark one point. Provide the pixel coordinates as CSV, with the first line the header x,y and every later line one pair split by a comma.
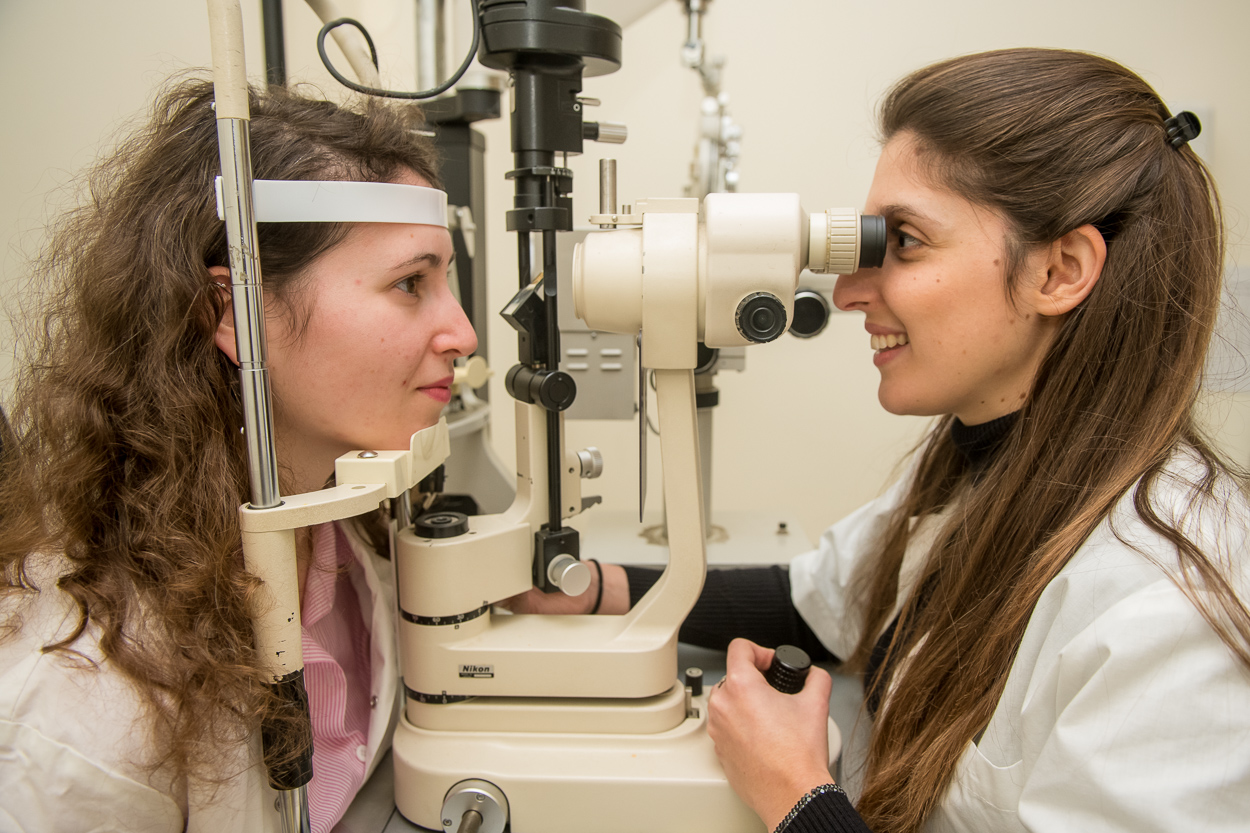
x,y
126,460
1051,140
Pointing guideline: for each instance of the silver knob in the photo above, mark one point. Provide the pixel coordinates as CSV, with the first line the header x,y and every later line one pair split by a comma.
x,y
475,798
613,133
592,462
569,574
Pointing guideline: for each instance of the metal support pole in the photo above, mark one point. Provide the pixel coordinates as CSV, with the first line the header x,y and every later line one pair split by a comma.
x,y
249,311
275,43
431,43
274,565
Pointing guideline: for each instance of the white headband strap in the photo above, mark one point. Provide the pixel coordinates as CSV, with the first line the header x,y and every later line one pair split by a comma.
x,y
289,201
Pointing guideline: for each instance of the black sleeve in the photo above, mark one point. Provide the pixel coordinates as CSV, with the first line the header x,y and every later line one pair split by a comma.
x,y
829,812
751,602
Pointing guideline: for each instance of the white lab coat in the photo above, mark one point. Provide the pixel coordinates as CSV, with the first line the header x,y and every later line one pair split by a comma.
x,y
1123,710
73,740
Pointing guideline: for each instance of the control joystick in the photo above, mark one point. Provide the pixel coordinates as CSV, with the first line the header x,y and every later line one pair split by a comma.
x,y
788,670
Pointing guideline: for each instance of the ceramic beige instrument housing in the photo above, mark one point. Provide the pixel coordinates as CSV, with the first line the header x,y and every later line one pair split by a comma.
x,y
580,722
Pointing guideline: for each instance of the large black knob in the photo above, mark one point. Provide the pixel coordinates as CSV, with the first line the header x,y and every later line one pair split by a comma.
x,y
789,669
441,525
554,390
811,314
761,317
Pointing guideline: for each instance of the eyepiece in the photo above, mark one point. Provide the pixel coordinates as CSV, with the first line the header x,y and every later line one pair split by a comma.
x,y
841,241
871,241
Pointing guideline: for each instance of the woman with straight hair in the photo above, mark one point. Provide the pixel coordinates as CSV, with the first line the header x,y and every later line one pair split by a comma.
x,y
130,690
1049,609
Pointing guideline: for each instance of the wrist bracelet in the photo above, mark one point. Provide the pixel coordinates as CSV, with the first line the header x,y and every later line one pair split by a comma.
x,y
599,595
803,802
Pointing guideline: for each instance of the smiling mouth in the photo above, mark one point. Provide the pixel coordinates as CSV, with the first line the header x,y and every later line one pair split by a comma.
x,y
880,343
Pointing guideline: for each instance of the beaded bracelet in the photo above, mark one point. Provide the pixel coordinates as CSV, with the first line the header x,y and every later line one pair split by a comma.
x,y
803,802
599,595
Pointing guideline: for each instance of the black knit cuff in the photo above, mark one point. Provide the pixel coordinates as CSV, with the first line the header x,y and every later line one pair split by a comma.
x,y
640,580
751,602
825,809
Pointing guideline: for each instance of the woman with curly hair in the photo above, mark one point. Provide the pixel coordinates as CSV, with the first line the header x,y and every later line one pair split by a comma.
x,y
130,690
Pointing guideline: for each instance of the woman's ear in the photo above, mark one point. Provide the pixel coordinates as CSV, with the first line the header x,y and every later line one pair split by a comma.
x,y
224,337
1073,265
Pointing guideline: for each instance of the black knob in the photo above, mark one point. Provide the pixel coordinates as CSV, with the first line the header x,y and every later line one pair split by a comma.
x,y
694,679
761,317
811,314
554,390
789,669
441,525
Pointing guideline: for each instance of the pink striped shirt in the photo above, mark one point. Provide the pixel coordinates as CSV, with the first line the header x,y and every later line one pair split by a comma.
x,y
337,650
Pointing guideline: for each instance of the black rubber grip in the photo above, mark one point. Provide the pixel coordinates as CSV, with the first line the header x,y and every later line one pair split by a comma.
x,y
286,735
789,668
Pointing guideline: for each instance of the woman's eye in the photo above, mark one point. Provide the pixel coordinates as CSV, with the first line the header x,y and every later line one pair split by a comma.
x,y
410,285
905,240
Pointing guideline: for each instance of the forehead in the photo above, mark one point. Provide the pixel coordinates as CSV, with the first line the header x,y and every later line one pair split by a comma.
x,y
398,238
904,189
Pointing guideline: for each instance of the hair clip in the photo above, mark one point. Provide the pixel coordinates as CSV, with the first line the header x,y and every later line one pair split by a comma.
x,y
1182,127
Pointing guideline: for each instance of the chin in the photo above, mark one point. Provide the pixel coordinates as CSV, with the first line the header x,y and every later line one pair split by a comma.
x,y
907,407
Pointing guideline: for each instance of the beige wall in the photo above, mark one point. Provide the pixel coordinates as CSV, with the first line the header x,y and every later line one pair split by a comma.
x,y
799,433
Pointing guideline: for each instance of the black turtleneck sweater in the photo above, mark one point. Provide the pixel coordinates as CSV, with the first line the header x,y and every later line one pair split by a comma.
x,y
754,603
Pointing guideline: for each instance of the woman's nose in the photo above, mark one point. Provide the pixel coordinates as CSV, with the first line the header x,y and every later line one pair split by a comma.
x,y
457,335
856,290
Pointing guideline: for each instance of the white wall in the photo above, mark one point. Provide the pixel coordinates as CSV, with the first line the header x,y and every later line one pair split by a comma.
x,y
800,432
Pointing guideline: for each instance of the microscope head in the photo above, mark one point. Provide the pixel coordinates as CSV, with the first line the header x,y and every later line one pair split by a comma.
x,y
725,276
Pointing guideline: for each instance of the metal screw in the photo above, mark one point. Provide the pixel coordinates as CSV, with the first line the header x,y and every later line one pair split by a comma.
x,y
367,455
782,529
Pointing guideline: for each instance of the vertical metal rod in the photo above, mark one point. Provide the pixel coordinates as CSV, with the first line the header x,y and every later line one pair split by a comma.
x,y
554,445
431,43
524,269
694,21
249,311
230,101
293,805
607,186
275,43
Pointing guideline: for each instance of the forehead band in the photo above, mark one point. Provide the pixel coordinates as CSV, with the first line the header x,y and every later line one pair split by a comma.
x,y
291,201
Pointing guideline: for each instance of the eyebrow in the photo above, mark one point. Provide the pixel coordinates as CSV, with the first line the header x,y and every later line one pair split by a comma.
x,y
424,259
904,212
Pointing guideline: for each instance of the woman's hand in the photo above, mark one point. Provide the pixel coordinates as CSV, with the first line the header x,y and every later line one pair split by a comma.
x,y
774,747
615,597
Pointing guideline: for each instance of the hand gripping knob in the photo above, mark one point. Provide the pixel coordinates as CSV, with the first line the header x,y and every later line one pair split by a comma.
x,y
789,669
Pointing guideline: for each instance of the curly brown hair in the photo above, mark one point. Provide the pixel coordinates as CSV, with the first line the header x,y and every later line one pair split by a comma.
x,y
125,459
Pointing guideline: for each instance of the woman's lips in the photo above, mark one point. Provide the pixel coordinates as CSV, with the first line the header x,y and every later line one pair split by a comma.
x,y
440,390
883,357
887,346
